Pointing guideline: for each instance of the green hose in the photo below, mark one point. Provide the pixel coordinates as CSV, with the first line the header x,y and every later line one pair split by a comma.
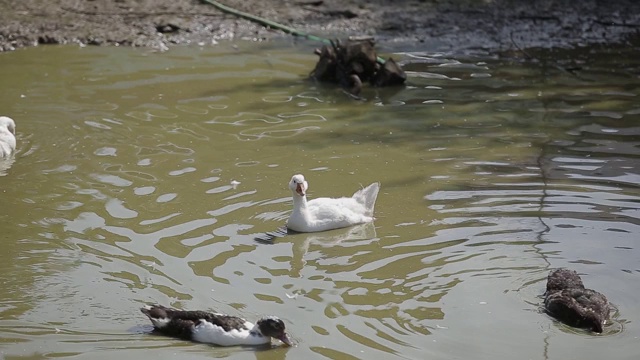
x,y
273,25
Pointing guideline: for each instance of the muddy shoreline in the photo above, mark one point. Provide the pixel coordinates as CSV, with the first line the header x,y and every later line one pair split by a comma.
x,y
446,25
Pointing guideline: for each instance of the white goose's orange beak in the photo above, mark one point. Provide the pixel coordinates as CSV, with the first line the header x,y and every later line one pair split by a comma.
x,y
300,190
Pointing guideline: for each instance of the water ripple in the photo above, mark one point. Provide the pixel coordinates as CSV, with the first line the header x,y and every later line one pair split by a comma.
x,y
146,183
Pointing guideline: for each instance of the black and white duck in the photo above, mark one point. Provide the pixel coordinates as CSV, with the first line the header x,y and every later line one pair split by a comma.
x,y
569,301
216,329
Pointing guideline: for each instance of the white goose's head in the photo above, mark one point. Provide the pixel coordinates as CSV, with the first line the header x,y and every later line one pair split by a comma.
x,y
8,123
298,185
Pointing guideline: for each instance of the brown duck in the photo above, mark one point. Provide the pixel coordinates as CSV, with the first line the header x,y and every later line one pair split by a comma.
x,y
569,301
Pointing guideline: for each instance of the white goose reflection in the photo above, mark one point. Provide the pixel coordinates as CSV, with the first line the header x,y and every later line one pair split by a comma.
x,y
303,241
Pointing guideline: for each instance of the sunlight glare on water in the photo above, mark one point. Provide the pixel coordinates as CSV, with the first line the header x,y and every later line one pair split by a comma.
x,y
146,177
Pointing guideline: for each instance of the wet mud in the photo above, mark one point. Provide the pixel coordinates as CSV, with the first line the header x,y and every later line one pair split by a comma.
x,y
445,25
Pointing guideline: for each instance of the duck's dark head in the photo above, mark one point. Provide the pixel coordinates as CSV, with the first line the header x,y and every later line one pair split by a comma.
x,y
274,327
598,327
594,321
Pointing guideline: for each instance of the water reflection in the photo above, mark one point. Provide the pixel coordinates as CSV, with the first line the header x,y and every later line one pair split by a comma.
x,y
5,165
145,178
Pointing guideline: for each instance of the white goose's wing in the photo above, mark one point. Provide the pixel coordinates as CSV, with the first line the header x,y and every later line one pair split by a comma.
x,y
328,213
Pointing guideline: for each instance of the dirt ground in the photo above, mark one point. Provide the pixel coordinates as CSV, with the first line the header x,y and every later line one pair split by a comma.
x,y
449,25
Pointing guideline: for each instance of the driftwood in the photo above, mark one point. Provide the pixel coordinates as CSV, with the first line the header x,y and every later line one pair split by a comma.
x,y
353,63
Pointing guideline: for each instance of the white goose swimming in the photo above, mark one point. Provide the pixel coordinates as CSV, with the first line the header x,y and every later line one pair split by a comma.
x,y
216,329
7,136
326,213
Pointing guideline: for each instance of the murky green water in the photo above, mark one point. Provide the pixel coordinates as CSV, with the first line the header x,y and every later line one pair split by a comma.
x,y
144,177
